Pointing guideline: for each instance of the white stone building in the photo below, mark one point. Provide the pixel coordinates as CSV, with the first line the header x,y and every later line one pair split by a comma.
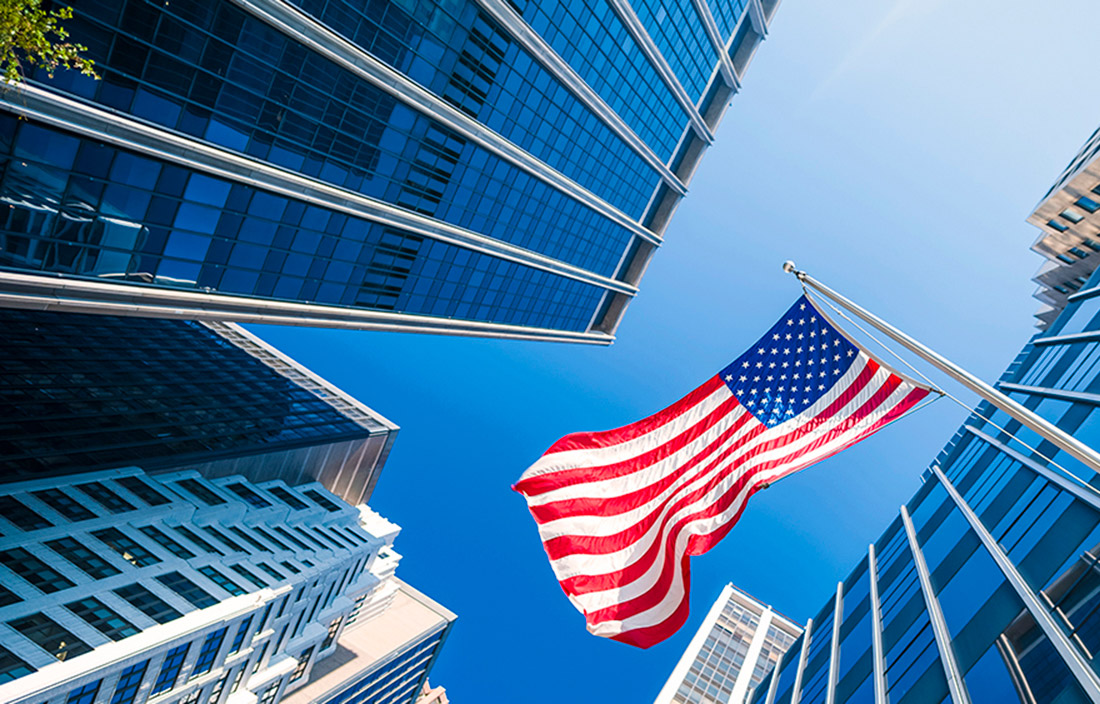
x,y
119,587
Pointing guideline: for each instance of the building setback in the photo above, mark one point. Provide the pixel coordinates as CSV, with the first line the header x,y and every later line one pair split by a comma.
x,y
477,167
87,392
119,586
736,646
1068,217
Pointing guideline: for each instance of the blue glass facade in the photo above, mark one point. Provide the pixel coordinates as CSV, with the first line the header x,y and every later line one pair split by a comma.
x,y
80,393
509,162
398,679
986,588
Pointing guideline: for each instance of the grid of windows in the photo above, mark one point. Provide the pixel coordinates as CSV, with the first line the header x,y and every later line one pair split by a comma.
x,y
33,570
141,489
85,694
208,652
249,575
146,394
17,513
170,669
187,589
200,491
90,563
129,682
64,504
194,538
126,547
50,636
101,618
148,603
105,497
221,580
162,539
288,498
242,632
11,667
254,499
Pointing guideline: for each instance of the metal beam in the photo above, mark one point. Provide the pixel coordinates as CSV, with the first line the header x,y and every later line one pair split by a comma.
x,y
310,33
1082,672
834,646
720,47
535,45
89,121
634,26
796,688
951,671
877,653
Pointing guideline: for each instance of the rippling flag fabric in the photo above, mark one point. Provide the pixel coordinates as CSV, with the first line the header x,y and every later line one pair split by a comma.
x,y
620,512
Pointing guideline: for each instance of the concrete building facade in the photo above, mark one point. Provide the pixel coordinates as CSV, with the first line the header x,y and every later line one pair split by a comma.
x,y
122,587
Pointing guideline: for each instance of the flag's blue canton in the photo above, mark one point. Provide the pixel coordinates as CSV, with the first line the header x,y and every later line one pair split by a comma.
x,y
791,367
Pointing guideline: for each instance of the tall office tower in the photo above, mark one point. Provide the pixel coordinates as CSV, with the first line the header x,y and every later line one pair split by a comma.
x,y
1070,224
122,587
86,392
737,645
986,587
478,167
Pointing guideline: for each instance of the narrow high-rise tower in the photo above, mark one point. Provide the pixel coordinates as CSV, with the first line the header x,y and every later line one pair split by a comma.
x,y
475,167
737,645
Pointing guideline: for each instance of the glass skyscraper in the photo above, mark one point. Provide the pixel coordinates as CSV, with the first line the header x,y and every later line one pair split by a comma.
x,y
482,167
736,646
80,393
986,587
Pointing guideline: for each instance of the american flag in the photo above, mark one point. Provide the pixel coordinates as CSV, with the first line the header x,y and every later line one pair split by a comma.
x,y
621,511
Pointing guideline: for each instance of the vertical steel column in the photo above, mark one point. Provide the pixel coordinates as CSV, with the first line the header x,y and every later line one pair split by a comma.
x,y
1072,657
796,690
834,646
959,695
741,684
877,655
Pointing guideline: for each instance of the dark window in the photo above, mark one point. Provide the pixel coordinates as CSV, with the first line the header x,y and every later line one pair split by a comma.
x,y
63,504
260,657
238,639
85,694
143,491
129,682
326,538
170,670
268,697
291,567
248,495
130,551
90,563
303,663
221,580
148,603
102,618
201,492
289,536
305,534
249,539
271,570
11,667
21,516
1088,204
321,500
225,539
332,629
208,652
33,570
237,681
194,538
271,538
187,589
217,689
247,574
162,539
7,597
52,638
287,498
105,497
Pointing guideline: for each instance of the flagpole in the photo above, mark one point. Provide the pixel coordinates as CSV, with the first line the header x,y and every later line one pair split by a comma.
x,y
1043,427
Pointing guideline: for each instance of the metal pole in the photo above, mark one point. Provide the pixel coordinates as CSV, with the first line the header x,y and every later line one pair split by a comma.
x,y
1043,427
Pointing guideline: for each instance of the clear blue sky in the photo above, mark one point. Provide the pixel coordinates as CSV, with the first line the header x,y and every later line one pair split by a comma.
x,y
893,149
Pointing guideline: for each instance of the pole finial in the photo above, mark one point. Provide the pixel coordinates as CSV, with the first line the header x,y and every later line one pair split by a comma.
x,y
789,267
